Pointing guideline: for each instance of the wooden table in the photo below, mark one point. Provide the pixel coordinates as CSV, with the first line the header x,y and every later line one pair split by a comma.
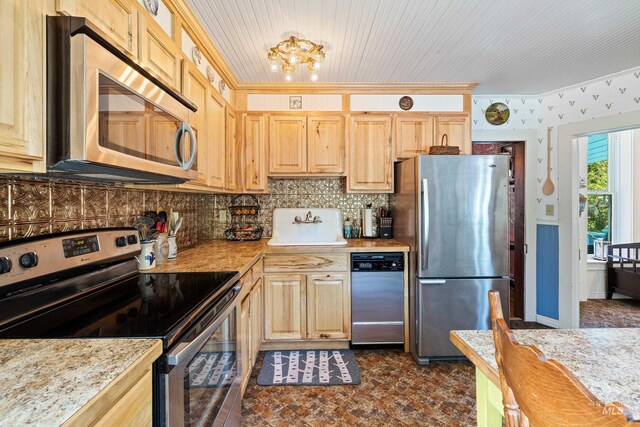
x,y
604,360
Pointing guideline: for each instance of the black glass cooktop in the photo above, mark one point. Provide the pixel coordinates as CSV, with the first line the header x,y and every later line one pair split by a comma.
x,y
143,305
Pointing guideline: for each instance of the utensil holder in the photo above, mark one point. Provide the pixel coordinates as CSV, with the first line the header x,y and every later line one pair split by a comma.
x,y
147,258
173,247
161,248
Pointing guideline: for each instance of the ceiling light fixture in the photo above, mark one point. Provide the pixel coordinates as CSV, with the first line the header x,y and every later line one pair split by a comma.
x,y
294,51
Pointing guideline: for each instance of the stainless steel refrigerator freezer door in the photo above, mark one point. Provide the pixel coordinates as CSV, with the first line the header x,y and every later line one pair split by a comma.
x,y
463,216
452,304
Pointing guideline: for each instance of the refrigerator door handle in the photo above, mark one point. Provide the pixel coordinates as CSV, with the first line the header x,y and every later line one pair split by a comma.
x,y
432,281
425,225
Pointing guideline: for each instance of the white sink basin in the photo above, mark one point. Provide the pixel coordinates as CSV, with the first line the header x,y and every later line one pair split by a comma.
x,y
326,233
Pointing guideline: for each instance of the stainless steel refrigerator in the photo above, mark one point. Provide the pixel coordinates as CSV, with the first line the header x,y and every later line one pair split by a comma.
x,y
453,211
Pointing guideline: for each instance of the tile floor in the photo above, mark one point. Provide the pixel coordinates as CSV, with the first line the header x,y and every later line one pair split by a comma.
x,y
394,391
397,392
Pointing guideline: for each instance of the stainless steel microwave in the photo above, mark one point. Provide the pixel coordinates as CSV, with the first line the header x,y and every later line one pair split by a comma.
x,y
108,118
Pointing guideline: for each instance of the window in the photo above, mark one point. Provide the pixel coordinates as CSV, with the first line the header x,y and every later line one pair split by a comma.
x,y
599,195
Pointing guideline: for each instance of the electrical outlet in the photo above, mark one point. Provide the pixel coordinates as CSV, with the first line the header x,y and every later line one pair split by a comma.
x,y
222,216
549,210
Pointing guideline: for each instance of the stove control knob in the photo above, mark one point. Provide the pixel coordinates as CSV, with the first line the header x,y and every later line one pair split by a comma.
x,y
132,239
29,260
121,241
5,265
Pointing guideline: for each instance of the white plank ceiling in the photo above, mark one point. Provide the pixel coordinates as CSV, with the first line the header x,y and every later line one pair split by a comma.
x,y
507,46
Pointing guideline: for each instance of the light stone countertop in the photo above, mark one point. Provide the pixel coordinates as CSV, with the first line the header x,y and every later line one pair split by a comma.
x,y
223,255
45,382
604,360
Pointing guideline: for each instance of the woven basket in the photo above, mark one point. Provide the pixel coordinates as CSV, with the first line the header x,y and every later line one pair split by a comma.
x,y
444,148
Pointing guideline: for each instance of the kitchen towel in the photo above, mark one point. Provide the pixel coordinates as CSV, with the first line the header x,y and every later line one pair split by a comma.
x,y
309,367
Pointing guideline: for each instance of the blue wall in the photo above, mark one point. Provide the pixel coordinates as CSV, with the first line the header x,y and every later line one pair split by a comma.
x,y
547,289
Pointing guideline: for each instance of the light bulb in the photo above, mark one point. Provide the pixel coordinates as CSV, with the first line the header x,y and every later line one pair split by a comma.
x,y
316,65
273,66
314,76
287,77
293,58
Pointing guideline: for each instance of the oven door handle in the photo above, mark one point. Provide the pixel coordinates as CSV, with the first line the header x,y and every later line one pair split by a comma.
x,y
185,351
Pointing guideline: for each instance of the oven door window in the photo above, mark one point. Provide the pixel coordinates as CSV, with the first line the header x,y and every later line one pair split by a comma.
x,y
130,124
210,374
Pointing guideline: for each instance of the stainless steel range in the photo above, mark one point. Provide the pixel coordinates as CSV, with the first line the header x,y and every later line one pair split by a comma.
x,y
86,284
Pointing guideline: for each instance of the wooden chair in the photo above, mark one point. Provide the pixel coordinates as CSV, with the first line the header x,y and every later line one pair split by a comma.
x,y
542,391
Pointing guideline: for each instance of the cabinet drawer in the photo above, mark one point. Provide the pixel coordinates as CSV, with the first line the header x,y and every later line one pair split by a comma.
x,y
305,263
256,271
245,285
132,408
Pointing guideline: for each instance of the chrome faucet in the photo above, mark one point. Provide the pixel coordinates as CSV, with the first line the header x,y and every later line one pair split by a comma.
x,y
308,219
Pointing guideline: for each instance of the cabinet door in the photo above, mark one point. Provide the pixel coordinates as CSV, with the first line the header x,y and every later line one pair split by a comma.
x,y
325,145
158,53
195,89
328,306
216,115
255,172
370,157
22,85
413,136
457,128
284,307
287,145
233,182
257,321
117,18
244,338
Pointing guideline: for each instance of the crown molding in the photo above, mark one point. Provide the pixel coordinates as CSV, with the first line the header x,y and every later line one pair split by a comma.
x,y
410,88
199,35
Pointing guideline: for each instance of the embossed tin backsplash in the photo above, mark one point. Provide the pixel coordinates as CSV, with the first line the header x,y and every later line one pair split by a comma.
x,y
30,207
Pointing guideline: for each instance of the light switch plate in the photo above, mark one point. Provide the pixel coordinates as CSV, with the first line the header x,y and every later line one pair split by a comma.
x,y
549,210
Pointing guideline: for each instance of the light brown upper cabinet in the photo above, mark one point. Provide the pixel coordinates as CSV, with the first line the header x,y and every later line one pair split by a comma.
x,y
196,88
370,155
325,145
217,141
22,85
457,128
117,18
287,145
233,182
159,53
255,172
414,134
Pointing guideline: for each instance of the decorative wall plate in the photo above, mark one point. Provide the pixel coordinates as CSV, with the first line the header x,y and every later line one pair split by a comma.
x,y
222,86
295,103
497,114
211,75
196,55
406,103
151,6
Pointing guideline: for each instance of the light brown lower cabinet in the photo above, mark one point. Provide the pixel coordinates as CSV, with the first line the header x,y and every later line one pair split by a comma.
x,y
126,401
307,307
251,326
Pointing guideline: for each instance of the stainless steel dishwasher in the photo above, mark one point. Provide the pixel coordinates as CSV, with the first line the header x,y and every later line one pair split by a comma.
x,y
377,299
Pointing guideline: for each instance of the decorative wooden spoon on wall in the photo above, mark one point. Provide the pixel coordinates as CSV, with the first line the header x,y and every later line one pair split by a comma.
x,y
548,187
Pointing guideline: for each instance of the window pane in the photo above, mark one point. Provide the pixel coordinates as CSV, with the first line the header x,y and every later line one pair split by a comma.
x,y
599,219
598,162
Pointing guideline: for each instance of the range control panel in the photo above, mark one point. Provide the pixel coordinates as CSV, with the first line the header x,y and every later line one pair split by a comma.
x,y
35,257
377,262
